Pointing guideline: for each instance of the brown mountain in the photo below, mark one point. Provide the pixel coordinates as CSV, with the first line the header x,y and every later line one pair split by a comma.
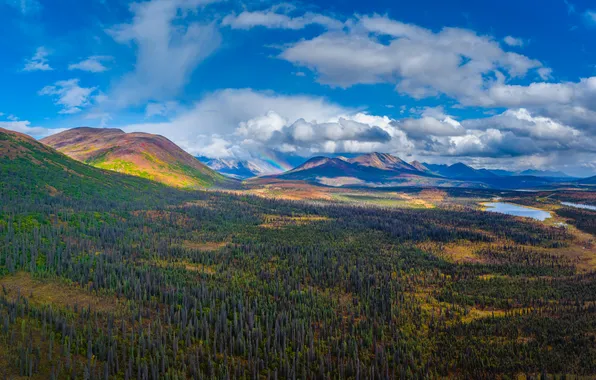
x,y
383,161
141,154
420,166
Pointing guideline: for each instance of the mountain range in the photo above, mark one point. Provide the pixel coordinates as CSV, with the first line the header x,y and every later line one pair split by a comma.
x,y
385,170
373,169
158,159
144,155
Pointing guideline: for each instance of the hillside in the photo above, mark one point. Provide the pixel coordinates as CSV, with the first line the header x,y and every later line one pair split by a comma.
x,y
143,155
31,170
588,181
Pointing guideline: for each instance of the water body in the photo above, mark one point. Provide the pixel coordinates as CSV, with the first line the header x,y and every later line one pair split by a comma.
x,y
579,205
517,210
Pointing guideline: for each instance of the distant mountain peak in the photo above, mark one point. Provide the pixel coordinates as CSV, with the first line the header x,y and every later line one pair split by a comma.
x,y
419,166
240,169
383,161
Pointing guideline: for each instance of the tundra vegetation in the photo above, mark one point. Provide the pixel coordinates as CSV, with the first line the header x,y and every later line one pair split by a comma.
x,y
109,276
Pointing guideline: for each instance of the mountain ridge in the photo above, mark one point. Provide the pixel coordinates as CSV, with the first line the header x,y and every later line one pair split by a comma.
x,y
140,154
32,170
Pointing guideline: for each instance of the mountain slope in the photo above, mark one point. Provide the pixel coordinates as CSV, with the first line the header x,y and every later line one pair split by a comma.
x,y
420,166
544,173
382,161
30,170
463,171
140,154
588,181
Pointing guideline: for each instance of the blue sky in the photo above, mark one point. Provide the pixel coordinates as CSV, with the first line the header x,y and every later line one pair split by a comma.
x,y
509,84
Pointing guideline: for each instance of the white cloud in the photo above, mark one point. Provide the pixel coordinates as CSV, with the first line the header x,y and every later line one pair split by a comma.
x,y
490,143
248,121
274,20
545,73
167,50
24,126
545,134
217,148
93,64
512,41
69,95
39,61
581,93
262,127
427,126
421,63
535,94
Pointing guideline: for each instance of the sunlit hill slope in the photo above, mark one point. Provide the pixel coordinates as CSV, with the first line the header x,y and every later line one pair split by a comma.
x,y
140,154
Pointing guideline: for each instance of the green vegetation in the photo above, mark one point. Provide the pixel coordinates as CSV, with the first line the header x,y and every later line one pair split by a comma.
x,y
149,282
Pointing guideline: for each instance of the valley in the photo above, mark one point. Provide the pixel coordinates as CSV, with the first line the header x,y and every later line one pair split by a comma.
x,y
107,275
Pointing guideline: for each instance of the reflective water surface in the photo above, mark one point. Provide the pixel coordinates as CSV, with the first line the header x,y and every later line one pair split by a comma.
x,y
517,210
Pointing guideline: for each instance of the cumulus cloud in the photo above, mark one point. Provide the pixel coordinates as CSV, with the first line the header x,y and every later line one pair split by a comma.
x,y
168,51
421,63
272,19
247,121
490,143
69,95
93,64
523,123
541,94
432,123
39,61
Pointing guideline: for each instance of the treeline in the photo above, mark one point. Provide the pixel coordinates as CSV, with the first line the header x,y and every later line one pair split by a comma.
x,y
201,285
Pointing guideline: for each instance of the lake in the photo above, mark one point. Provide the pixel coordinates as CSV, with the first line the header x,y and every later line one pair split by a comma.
x,y
517,210
579,205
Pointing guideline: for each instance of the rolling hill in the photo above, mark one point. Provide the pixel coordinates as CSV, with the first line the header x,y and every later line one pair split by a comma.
x,y
140,154
32,171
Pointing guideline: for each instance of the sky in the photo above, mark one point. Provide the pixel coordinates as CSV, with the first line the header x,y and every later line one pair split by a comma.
x,y
509,84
